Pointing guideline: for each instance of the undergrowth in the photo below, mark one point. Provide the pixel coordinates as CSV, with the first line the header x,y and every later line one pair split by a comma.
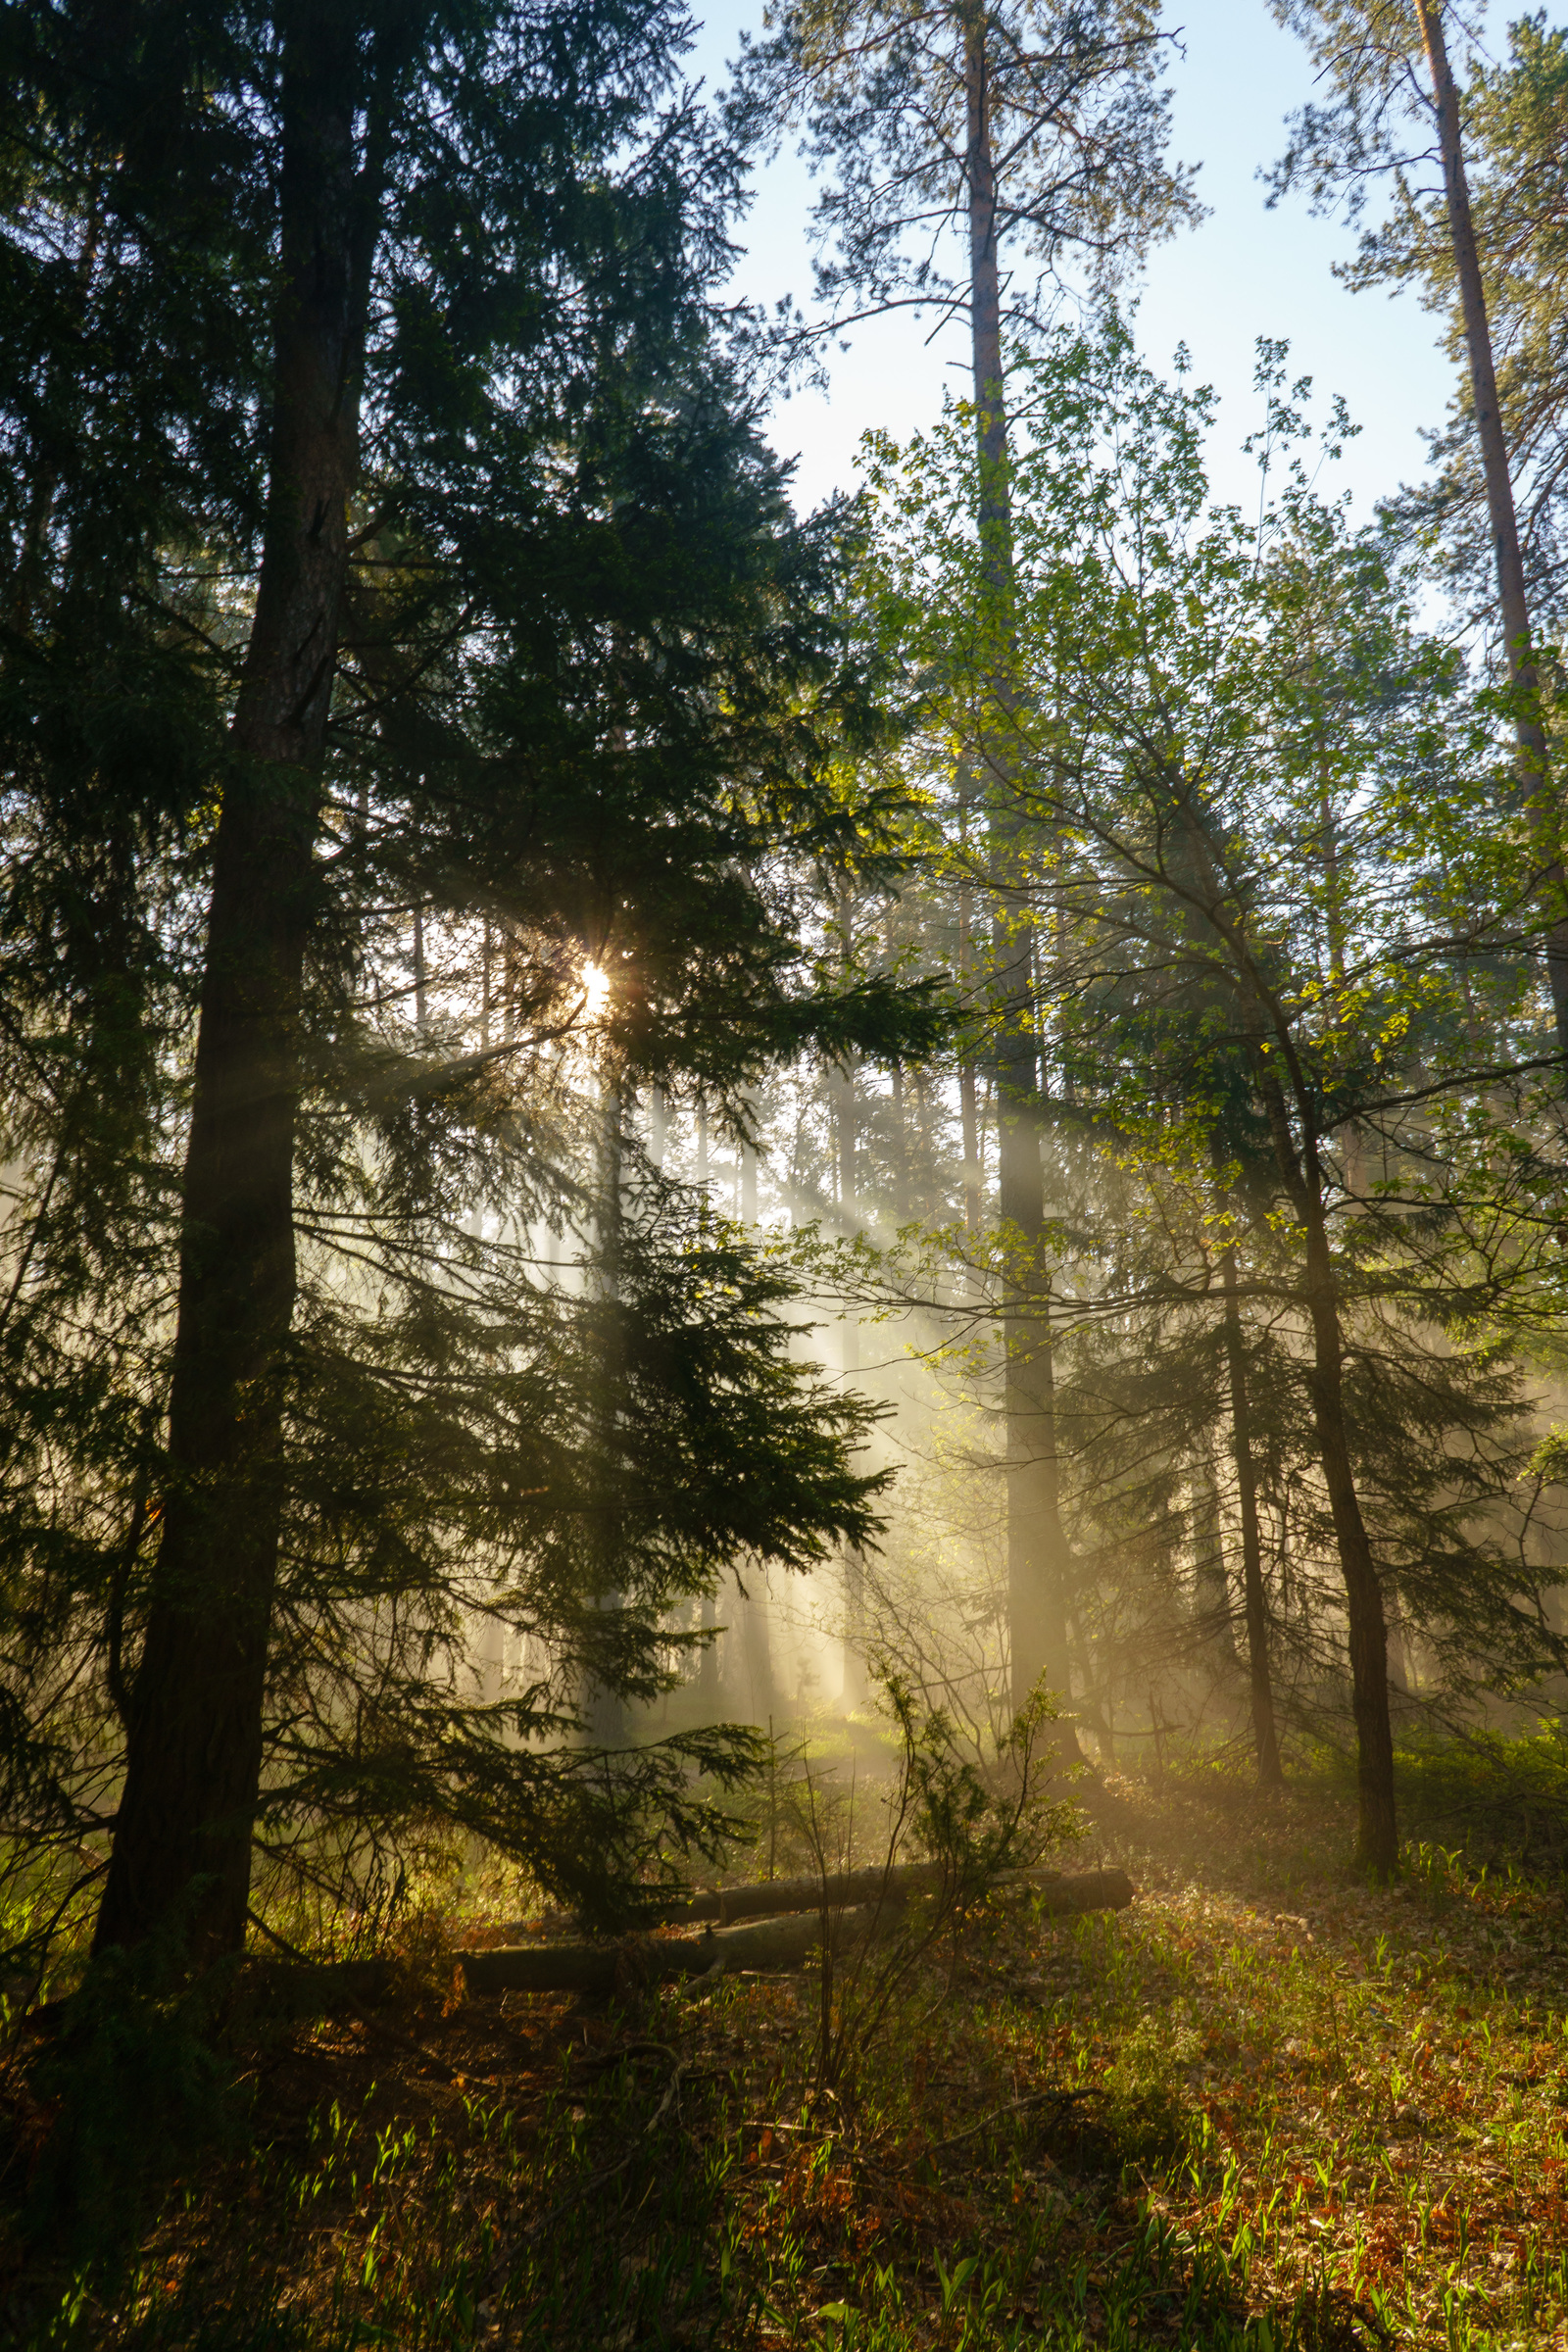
x,y
1263,2108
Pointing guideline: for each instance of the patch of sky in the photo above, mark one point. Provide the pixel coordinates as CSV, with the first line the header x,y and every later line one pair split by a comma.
x,y
1245,272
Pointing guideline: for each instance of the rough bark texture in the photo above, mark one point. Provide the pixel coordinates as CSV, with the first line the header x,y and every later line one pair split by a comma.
x,y
600,1968
1266,1737
1513,603
183,1842
1037,1550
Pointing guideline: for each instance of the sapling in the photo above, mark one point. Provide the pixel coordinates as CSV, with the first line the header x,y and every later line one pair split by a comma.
x,y
972,1824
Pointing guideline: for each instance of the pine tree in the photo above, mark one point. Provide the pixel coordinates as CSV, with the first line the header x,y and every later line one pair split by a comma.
x,y
1003,128
1392,77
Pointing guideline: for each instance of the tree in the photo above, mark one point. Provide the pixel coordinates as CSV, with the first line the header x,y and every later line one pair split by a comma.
x,y
447,561
990,126
1210,704
1373,57
1514,121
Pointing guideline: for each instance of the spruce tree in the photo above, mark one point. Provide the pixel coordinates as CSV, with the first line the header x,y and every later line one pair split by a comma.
x,y
462,687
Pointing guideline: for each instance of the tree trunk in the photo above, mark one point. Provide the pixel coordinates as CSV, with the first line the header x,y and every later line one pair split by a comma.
x,y
1302,1175
757,1654
1512,600
783,1937
707,1661
1265,1738
1212,1577
1377,1838
604,1706
968,1096
182,1853
854,1693
1037,1550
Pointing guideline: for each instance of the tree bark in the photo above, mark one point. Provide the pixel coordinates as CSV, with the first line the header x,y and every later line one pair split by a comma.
x,y
1513,602
856,1686
1377,1835
1301,1173
780,1937
1266,1737
1037,1549
181,1852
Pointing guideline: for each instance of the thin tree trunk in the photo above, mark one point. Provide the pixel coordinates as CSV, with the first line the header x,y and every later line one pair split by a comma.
x,y
1302,1175
707,1661
182,1853
1512,600
1211,1574
968,1102
844,1103
854,1692
604,1706
1377,1838
1037,1550
1266,1737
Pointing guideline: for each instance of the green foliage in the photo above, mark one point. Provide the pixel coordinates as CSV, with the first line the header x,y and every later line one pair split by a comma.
x,y
972,1820
1500,1793
1290,1016
1078,122
591,711
1147,2112
1377,129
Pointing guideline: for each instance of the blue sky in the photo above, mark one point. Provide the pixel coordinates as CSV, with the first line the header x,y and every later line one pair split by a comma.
x,y
1247,271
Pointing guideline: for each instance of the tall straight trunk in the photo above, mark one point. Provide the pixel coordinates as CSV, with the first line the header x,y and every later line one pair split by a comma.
x,y
708,1660
853,1634
1212,1571
843,1102
748,1152
1301,1171
603,1707
968,1092
1037,1550
1266,1737
1377,1836
900,1109
757,1655
181,1855
1513,603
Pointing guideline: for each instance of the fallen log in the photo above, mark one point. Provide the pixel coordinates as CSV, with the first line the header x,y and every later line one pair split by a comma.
x,y
600,1968
1060,1896
766,1899
767,1943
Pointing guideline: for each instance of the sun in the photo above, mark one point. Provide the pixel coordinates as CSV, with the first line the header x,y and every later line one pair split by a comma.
x,y
595,987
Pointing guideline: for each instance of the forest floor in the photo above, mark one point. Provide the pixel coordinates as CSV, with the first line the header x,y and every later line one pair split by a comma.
x,y
1264,2107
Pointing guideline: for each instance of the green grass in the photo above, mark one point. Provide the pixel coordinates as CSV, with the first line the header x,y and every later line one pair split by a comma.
x,y
1268,2107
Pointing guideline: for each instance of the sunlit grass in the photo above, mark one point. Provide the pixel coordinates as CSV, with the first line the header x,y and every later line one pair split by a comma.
x,y
1265,2107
